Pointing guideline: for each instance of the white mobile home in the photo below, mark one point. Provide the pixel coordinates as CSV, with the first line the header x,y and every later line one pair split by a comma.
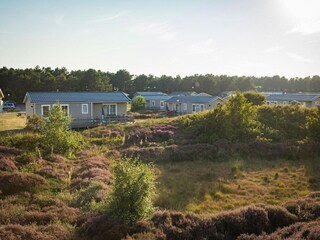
x,y
80,106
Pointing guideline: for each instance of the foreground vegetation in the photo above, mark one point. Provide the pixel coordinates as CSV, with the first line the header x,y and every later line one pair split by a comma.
x,y
257,180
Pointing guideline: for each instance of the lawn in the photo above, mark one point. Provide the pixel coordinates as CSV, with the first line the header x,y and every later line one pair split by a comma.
x,y
210,187
9,121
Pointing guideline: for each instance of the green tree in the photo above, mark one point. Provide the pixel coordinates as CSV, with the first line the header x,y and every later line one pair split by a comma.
x,y
255,98
241,119
133,191
121,81
138,104
58,137
313,125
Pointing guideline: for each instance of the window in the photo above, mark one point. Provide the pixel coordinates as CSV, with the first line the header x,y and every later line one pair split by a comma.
x,y
153,103
185,107
201,107
65,108
109,109
45,110
193,108
161,104
85,108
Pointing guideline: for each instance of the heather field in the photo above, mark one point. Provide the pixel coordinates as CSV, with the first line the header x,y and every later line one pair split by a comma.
x,y
204,189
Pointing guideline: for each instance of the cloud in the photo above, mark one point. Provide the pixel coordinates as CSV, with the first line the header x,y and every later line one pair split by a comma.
x,y
59,19
307,28
160,30
204,47
298,58
109,18
273,49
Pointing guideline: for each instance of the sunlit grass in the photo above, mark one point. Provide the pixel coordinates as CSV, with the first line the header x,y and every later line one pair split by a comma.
x,y
211,187
10,121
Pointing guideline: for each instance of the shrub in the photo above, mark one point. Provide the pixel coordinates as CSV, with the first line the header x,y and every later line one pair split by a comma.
x,y
25,141
246,220
138,104
313,125
26,158
255,98
236,121
32,232
133,191
308,231
34,123
86,197
278,217
57,136
18,182
305,209
7,164
283,122
95,168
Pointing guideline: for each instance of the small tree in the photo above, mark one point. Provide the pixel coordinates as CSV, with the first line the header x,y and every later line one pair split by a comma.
x,y
138,104
313,124
133,191
241,119
255,98
58,137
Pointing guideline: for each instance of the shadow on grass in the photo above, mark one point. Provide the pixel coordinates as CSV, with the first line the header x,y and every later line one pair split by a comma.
x,y
10,132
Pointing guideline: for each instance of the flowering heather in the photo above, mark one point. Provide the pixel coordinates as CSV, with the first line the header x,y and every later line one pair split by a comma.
x,y
19,182
33,232
7,164
158,133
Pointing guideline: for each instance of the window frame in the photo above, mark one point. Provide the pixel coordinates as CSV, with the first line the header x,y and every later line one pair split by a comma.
x,y
185,107
111,104
161,104
194,108
49,108
87,105
68,107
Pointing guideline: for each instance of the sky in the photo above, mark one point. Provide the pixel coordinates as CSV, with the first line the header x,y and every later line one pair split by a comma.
x,y
180,37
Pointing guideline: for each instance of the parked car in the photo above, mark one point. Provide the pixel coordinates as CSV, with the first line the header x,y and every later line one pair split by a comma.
x,y
9,106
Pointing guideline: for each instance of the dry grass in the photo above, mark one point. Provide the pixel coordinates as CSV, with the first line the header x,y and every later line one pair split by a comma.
x,y
10,121
211,187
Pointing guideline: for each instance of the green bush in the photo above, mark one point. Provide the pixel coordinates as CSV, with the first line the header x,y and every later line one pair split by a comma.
x,y
138,104
34,123
25,141
283,122
236,121
133,191
57,135
313,125
255,98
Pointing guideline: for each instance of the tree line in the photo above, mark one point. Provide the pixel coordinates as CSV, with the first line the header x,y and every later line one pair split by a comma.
x,y
16,82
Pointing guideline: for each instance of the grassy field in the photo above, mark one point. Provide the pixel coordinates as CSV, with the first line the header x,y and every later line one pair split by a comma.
x,y
10,121
210,187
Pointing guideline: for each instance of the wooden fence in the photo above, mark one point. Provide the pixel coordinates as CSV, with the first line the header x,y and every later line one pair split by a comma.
x,y
89,123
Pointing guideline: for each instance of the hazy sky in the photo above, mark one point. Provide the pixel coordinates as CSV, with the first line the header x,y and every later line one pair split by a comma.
x,y
233,37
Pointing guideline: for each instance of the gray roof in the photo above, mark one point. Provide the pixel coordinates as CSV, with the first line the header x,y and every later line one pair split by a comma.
x,y
187,93
52,97
293,97
154,97
192,99
150,93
